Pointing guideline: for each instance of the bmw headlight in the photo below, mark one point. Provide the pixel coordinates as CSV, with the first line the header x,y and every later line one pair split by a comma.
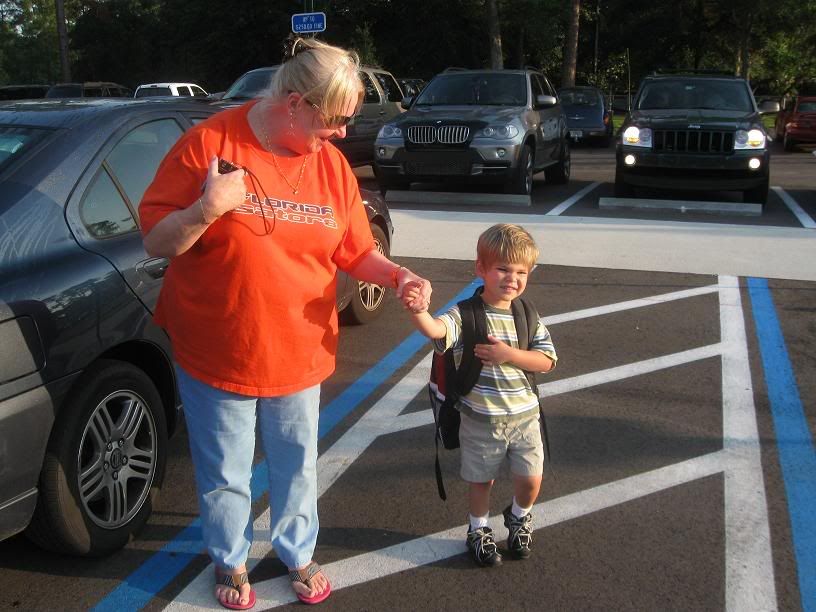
x,y
389,131
498,132
637,137
749,139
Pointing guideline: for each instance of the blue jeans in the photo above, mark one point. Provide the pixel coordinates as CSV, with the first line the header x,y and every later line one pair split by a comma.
x,y
221,429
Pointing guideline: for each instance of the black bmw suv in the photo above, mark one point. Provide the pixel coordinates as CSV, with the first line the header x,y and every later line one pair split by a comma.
x,y
694,131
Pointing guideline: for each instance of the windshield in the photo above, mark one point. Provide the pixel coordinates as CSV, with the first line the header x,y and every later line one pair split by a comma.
x,y
695,94
14,141
475,89
144,92
251,84
580,97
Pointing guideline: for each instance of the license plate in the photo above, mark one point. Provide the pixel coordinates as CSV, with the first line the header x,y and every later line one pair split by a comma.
x,y
576,133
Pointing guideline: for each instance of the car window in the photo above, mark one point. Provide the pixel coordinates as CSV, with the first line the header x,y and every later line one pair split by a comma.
x,y
64,91
475,89
183,90
372,96
14,141
807,107
250,85
135,159
198,92
580,97
144,92
695,93
389,87
538,88
103,210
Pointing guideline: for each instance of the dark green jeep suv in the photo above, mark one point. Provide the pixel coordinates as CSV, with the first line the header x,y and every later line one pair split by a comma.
x,y
699,132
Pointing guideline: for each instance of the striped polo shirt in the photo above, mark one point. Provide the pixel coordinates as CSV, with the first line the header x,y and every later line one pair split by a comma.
x,y
502,392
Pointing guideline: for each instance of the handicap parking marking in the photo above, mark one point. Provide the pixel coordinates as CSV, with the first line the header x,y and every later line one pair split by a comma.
x,y
805,219
749,582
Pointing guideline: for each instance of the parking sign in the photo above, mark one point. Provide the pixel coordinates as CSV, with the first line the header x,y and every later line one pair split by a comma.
x,y
305,23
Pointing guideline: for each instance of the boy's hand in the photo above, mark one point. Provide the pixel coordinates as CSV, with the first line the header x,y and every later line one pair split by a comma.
x,y
495,353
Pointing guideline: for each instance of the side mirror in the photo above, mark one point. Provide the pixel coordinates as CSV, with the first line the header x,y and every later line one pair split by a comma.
x,y
544,101
406,102
769,106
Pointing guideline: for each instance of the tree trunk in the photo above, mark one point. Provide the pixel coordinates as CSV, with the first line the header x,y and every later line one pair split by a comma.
x,y
494,31
571,51
521,57
62,34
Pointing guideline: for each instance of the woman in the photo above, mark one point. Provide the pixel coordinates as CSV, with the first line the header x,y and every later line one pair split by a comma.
x,y
249,299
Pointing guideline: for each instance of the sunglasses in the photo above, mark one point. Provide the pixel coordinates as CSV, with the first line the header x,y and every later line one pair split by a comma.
x,y
332,122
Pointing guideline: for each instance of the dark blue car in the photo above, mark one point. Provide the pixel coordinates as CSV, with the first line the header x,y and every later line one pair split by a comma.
x,y
87,388
589,117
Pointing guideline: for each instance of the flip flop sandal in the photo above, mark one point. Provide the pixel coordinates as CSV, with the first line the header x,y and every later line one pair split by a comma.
x,y
305,576
234,581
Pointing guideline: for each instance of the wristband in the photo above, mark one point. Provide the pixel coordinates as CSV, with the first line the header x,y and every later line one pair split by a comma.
x,y
394,280
203,216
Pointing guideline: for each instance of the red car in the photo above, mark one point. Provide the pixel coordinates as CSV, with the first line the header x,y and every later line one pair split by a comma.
x,y
797,124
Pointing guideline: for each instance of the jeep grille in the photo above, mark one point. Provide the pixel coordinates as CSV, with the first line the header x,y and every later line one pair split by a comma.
x,y
445,134
693,141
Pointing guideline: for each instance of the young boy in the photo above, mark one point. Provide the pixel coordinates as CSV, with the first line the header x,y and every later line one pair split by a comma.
x,y
500,416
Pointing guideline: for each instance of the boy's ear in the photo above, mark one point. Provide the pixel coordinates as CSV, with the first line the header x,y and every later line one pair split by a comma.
x,y
480,269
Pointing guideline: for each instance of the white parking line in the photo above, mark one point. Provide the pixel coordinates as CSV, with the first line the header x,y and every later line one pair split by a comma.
x,y
571,200
749,569
805,219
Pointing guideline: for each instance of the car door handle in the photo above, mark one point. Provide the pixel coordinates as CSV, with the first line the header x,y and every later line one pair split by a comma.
x,y
154,267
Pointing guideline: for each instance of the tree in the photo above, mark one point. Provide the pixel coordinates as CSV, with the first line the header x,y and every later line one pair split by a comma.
x,y
571,51
494,33
62,35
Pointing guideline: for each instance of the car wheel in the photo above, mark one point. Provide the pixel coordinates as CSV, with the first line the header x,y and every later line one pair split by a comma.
x,y
522,181
757,194
367,298
559,174
622,188
104,464
789,143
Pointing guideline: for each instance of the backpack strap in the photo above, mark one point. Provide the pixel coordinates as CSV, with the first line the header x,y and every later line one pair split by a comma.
x,y
526,318
474,331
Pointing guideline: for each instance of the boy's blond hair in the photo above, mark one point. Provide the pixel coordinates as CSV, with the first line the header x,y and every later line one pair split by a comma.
x,y
508,243
325,75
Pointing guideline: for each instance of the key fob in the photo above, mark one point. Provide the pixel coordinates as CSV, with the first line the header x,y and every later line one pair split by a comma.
x,y
225,166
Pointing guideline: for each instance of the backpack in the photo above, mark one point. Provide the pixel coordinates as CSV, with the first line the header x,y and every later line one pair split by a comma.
x,y
448,384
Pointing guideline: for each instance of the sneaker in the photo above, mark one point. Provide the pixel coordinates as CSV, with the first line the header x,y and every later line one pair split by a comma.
x,y
520,533
482,546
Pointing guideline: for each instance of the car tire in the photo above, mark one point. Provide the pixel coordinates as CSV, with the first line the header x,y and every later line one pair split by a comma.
x,y
757,194
522,180
559,173
788,142
622,188
367,298
104,464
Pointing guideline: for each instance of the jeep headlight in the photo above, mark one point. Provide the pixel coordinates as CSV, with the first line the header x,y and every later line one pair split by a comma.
x,y
749,139
389,131
637,137
498,132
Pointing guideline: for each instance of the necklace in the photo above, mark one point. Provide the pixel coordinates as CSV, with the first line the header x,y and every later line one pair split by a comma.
x,y
296,186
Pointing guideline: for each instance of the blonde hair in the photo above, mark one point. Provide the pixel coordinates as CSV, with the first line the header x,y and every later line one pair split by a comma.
x,y
507,243
325,76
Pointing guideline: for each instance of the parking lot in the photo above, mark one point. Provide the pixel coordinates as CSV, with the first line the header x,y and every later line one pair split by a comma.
x,y
668,489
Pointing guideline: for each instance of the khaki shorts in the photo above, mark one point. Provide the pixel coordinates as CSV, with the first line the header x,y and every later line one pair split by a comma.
x,y
484,446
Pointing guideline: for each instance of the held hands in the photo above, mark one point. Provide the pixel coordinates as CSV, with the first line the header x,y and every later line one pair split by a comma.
x,y
222,192
416,295
494,353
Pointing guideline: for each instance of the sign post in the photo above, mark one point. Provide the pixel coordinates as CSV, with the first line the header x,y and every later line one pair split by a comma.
x,y
308,23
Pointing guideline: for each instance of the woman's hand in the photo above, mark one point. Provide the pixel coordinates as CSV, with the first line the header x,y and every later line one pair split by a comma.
x,y
418,297
222,192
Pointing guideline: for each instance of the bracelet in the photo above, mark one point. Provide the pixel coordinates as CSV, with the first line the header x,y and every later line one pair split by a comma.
x,y
394,273
203,216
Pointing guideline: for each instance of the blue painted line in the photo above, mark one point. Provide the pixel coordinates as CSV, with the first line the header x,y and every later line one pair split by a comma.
x,y
794,441
136,591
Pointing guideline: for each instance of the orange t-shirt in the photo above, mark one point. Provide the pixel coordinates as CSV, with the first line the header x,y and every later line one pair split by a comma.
x,y
247,310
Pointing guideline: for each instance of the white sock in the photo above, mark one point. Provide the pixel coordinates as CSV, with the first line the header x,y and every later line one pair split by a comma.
x,y
477,522
519,511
